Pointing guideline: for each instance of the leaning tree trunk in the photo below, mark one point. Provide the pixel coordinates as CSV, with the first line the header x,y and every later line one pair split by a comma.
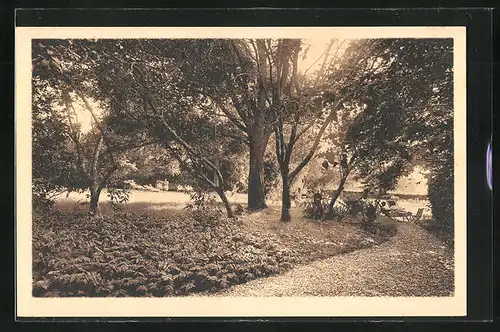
x,y
95,188
285,198
335,196
225,201
256,194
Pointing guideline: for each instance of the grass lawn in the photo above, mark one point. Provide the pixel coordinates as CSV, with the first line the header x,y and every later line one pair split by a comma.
x,y
159,249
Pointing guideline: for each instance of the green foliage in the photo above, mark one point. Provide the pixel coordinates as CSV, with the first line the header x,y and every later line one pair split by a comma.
x,y
53,167
338,212
146,165
168,90
66,158
271,176
383,156
407,104
369,215
204,208
354,206
368,218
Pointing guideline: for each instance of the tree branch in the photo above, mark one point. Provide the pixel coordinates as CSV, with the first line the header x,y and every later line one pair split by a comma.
x,y
190,168
94,116
80,151
230,116
186,145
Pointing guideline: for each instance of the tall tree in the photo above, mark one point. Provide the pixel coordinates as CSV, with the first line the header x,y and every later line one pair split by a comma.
x,y
408,112
52,154
244,96
66,68
229,79
146,85
313,103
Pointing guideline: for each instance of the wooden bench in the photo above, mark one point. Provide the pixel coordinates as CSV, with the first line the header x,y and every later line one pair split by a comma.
x,y
405,216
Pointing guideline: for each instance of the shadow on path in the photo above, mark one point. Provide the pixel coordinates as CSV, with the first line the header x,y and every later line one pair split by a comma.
x,y
412,263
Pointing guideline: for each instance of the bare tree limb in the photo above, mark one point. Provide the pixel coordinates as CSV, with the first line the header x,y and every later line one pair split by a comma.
x,y
186,145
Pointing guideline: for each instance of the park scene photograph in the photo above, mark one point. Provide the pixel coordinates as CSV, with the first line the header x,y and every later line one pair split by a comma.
x,y
239,167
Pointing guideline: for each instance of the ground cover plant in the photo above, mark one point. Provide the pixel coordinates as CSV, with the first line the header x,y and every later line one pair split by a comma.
x,y
172,252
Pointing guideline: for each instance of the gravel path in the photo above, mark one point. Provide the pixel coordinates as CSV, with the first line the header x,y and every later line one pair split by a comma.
x,y
412,263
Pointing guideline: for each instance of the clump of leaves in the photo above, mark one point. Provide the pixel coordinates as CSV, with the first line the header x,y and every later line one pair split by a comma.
x,y
338,213
312,210
368,215
117,197
440,191
204,208
271,176
315,211
354,206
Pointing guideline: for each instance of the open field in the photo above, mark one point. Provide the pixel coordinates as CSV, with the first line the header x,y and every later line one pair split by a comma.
x,y
176,199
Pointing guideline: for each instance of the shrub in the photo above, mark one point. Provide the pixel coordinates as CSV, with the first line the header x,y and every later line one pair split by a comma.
x,y
204,208
42,194
311,210
354,206
440,192
117,197
271,177
338,213
42,202
369,215
315,211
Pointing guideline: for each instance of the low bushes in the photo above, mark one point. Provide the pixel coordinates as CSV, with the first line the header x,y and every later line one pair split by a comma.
x,y
310,210
369,215
441,198
139,255
315,211
366,213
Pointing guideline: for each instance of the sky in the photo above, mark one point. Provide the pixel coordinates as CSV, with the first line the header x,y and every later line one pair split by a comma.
x,y
84,116
317,48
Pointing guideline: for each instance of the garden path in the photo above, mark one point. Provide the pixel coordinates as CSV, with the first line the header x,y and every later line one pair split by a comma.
x,y
412,263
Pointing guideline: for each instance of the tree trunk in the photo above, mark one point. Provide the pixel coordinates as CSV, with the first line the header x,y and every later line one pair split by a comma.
x,y
285,198
256,194
95,192
227,206
335,196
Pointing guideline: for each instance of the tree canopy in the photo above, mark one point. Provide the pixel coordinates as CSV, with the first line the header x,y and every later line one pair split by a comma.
x,y
375,106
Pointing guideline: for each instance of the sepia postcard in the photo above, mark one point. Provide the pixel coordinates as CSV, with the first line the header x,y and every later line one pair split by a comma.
x,y
240,172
